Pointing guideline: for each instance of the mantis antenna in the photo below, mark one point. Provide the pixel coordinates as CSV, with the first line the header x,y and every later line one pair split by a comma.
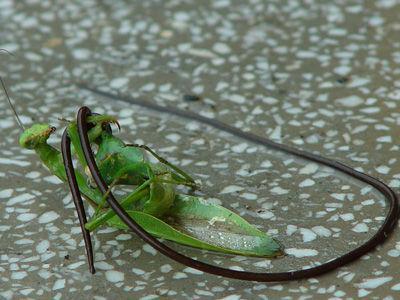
x,y
11,105
8,97
8,52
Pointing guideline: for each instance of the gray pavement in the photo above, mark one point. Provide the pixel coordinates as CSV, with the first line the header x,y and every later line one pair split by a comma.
x,y
319,75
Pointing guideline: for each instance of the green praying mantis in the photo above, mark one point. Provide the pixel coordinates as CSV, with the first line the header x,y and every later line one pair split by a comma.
x,y
153,201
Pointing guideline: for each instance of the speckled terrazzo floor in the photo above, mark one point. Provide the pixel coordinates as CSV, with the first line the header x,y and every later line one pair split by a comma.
x,y
321,76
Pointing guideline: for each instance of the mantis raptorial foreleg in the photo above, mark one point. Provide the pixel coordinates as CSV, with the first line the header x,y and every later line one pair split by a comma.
x,y
94,133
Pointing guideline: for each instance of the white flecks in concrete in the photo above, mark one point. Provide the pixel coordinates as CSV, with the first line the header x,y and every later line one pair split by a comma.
x,y
269,100
339,196
266,215
395,183
81,54
8,161
248,196
18,275
360,228
231,297
118,83
32,175
349,277
6,193
307,183
45,274
291,229
350,101
53,179
173,137
20,199
240,147
22,241
308,235
362,293
48,217
396,287
372,283
138,271
368,202
42,246
76,265
179,275
114,276
26,217
279,191
26,292
347,217
322,231
166,268
308,169
102,265
221,48
59,284
193,271
123,237
300,253
383,169
342,70
394,253
266,164
384,139
231,189
239,99
149,249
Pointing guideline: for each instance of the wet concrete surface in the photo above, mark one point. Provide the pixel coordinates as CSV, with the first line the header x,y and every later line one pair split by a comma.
x,y
321,76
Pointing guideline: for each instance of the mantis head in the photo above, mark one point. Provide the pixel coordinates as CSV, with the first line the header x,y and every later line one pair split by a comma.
x,y
35,135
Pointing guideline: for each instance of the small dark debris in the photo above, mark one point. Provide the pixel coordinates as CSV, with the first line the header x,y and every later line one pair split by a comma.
x,y
66,257
260,211
343,80
191,98
282,91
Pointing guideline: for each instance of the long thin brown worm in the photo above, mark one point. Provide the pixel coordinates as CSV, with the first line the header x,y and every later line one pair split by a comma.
x,y
387,226
76,196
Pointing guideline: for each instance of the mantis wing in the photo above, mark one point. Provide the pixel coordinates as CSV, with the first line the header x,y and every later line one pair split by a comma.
x,y
195,223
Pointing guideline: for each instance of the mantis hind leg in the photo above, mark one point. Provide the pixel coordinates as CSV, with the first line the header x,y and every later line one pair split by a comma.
x,y
139,193
180,177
